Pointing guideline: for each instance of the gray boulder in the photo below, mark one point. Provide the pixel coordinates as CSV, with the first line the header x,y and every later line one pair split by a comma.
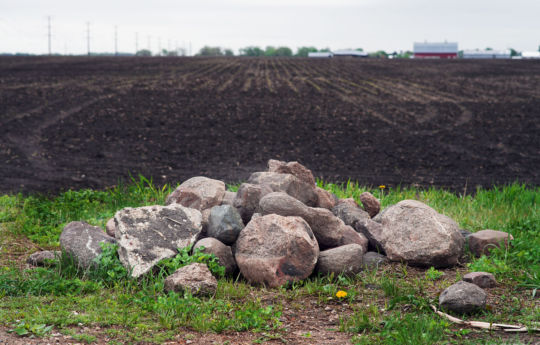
x,y
195,278
222,252
463,298
224,223
371,204
351,214
480,279
374,260
274,250
198,192
294,168
416,234
481,242
43,258
346,259
149,234
83,241
329,230
286,183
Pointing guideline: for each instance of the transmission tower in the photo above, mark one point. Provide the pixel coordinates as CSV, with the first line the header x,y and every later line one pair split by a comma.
x,y
116,40
88,37
49,34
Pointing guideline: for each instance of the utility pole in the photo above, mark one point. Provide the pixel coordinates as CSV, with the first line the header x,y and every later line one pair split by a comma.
x,y
49,34
189,48
116,40
88,37
159,46
136,42
150,44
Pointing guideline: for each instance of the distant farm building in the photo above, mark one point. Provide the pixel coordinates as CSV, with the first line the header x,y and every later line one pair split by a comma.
x,y
350,53
435,50
320,55
530,55
487,54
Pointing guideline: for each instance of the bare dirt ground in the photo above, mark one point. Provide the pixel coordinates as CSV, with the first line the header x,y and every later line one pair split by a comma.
x,y
71,122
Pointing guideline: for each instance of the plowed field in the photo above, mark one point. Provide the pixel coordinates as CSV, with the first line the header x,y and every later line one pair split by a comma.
x,y
91,122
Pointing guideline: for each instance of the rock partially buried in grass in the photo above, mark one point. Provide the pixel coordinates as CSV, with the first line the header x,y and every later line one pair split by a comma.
x,y
482,242
415,233
374,260
83,242
341,260
480,279
274,250
222,252
149,234
195,278
463,298
44,258
199,193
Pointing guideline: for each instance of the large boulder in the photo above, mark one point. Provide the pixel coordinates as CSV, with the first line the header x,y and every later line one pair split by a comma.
x,y
222,252
481,242
274,250
371,204
247,199
463,298
329,230
341,260
416,234
198,192
82,241
224,223
294,168
195,278
286,183
149,234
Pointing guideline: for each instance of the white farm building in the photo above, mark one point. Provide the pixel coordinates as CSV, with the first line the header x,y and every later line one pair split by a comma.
x,y
487,54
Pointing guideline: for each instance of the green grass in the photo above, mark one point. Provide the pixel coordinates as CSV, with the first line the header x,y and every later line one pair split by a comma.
x,y
386,306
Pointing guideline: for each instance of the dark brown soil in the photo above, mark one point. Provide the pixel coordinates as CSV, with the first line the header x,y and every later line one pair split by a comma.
x,y
91,122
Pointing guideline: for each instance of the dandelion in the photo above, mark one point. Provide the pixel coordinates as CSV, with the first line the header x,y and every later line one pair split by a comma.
x,y
382,186
341,294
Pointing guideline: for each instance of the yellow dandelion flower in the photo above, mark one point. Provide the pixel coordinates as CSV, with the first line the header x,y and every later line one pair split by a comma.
x,y
341,294
382,186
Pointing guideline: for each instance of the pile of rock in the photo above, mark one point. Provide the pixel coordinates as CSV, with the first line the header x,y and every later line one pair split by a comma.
x,y
278,228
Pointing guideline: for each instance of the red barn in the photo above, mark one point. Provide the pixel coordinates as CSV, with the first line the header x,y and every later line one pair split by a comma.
x,y
435,50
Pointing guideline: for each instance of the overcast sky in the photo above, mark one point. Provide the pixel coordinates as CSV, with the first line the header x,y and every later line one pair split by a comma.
x,y
390,25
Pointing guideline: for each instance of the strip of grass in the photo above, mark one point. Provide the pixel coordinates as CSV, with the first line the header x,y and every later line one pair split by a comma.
x,y
139,310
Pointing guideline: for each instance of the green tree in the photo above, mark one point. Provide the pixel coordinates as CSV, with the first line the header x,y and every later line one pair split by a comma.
x,y
513,52
283,51
228,52
143,52
325,50
304,51
210,51
270,51
251,51
359,49
380,54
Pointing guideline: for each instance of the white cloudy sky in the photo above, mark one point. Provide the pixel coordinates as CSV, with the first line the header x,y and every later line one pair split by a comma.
x,y
390,25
